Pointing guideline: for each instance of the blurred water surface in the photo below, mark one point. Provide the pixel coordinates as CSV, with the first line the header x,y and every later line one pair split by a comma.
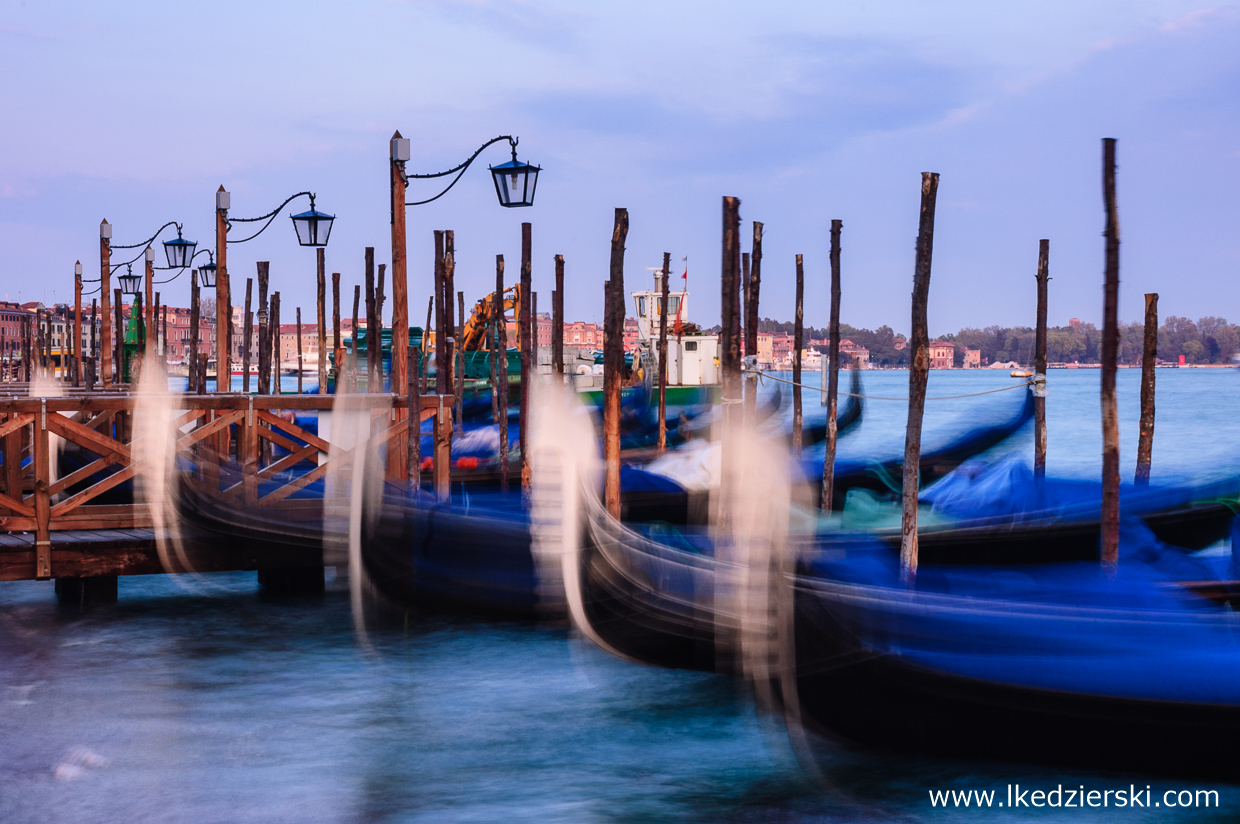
x,y
198,700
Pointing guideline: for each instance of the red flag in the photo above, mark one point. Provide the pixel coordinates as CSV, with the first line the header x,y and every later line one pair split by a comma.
x,y
676,327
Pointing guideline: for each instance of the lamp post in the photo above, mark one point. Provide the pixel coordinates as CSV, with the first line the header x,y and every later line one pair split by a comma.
x,y
105,298
313,228
148,310
514,186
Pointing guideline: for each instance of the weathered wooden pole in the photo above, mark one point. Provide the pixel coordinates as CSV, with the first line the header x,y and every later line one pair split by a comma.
x,y
148,308
77,322
398,155
459,388
1110,351
729,339
751,321
426,336
501,369
1149,358
120,338
374,335
663,289
357,298
919,370
746,281
94,347
247,337
193,331
557,322
833,370
105,294
441,349
299,353
337,347
525,340
223,298
157,321
449,289
1039,368
321,329
413,438
273,348
264,333
798,341
613,364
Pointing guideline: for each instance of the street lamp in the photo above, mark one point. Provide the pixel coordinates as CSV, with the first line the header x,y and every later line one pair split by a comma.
x,y
313,227
131,284
206,274
180,251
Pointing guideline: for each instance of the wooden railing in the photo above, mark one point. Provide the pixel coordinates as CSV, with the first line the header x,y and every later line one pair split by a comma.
x,y
238,445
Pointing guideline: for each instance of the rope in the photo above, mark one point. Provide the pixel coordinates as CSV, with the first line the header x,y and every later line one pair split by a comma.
x,y
763,376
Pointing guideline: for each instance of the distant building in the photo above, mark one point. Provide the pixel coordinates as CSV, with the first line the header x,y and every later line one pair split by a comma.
x,y
632,334
855,351
942,354
766,358
900,344
1074,322
582,335
973,359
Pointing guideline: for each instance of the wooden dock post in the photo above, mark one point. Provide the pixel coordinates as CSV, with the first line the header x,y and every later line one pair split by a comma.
x,y
751,323
357,297
1149,358
120,339
424,377
413,453
919,368
273,349
42,496
459,388
501,369
557,322
833,372
667,274
264,332
441,350
1039,376
449,289
321,298
613,363
1110,351
443,451
91,368
525,340
299,353
105,294
223,297
374,381
247,337
729,338
798,342
397,149
337,348
77,323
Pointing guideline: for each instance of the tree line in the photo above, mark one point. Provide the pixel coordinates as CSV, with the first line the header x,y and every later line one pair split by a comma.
x,y
1208,340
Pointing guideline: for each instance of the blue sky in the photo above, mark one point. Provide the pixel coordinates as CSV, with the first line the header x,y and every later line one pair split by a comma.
x,y
806,111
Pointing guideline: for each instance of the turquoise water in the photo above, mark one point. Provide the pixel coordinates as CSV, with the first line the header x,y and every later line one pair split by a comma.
x,y
198,700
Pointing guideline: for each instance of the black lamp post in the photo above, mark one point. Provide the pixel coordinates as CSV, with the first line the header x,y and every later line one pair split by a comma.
x,y
131,284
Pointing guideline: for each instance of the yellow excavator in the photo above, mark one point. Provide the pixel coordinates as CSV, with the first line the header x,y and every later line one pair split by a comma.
x,y
474,336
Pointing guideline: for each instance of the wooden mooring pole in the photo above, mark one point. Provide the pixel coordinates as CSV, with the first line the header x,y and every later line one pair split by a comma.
x,y
337,348
413,466
299,354
501,371
798,342
1149,358
264,331
833,371
459,387
321,329
441,348
731,286
247,337
663,289
525,341
120,339
557,322
1110,351
357,298
105,293
77,323
751,323
374,334
273,349
919,368
613,363
91,368
1039,375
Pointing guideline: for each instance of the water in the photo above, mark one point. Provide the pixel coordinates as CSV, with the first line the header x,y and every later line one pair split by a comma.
x,y
198,700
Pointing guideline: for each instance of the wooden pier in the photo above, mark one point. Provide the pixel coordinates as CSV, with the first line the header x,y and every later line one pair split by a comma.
x,y
86,523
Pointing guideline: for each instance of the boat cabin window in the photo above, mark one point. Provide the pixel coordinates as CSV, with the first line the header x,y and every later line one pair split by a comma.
x,y
690,346
673,304
641,307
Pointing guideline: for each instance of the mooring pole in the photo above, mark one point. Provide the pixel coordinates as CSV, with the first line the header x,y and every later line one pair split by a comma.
x,y
148,339
663,288
731,286
77,323
557,322
120,339
919,369
449,289
1110,351
273,348
223,298
501,370
459,388
321,329
299,360
833,371
441,348
1149,358
1039,377
426,336
264,333
357,298
413,454
751,322
798,341
247,338
525,340
613,363
105,295
94,348
337,348
373,384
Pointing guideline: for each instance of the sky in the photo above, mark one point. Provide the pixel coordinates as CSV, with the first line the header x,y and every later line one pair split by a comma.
x,y
138,112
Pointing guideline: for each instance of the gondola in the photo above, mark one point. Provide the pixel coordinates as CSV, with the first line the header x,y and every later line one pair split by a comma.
x,y
1052,663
